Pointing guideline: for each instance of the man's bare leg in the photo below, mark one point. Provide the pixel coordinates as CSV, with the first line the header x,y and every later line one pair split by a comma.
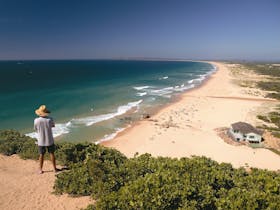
x,y
41,162
53,161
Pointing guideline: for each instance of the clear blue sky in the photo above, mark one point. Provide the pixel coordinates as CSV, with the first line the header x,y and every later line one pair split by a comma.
x,y
191,29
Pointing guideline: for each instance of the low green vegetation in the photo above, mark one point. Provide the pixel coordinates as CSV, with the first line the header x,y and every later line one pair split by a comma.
x,y
272,118
272,72
264,69
146,182
12,142
272,84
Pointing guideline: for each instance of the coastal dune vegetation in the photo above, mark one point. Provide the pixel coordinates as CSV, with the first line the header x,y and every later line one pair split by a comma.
x,y
272,73
146,182
271,85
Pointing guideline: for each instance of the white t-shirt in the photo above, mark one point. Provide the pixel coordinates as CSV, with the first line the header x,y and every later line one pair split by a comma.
x,y
43,126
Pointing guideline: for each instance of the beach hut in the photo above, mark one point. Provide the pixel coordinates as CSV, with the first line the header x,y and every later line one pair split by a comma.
x,y
242,131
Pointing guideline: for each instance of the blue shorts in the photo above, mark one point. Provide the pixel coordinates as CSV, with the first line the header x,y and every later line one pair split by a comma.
x,y
42,149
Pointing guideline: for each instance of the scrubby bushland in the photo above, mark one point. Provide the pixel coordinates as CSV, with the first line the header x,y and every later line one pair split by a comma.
x,y
96,174
264,69
12,142
273,84
146,182
195,183
274,119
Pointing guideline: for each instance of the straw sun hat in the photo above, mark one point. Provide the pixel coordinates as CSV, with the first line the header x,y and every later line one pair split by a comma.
x,y
42,111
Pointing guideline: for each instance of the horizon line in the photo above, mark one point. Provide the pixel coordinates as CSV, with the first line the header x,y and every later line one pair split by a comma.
x,y
141,59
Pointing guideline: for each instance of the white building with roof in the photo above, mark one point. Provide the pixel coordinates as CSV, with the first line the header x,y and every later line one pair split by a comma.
x,y
242,131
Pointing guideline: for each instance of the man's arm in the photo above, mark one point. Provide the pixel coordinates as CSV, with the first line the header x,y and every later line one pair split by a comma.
x,y
52,123
35,125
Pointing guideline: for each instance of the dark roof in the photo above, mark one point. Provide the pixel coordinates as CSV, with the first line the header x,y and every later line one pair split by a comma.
x,y
245,128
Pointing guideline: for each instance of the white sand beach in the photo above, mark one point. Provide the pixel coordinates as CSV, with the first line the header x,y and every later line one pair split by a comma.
x,y
186,127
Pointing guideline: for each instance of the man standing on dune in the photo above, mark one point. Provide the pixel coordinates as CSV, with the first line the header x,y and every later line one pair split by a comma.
x,y
43,125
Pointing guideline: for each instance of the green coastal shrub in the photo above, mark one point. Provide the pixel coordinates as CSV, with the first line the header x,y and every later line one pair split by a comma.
x,y
12,142
214,186
69,153
98,173
264,69
270,86
76,181
272,81
273,118
29,150
195,183
159,190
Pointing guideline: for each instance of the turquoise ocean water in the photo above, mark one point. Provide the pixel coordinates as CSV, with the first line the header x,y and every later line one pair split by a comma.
x,y
91,100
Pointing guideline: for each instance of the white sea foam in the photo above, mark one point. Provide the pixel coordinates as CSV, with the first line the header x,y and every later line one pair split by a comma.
x,y
214,67
141,93
166,77
200,79
191,86
69,124
190,81
162,92
88,121
32,135
58,130
111,136
166,96
168,88
184,88
141,87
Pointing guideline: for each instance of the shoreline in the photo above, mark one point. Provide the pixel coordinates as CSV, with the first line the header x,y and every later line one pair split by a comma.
x,y
90,123
157,110
190,123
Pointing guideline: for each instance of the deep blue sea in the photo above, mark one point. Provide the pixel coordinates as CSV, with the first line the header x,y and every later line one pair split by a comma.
x,y
91,100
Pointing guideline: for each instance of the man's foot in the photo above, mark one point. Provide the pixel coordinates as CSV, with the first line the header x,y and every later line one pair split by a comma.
x,y
40,172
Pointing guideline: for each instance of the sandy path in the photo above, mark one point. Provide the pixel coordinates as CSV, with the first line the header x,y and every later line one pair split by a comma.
x,y
22,188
